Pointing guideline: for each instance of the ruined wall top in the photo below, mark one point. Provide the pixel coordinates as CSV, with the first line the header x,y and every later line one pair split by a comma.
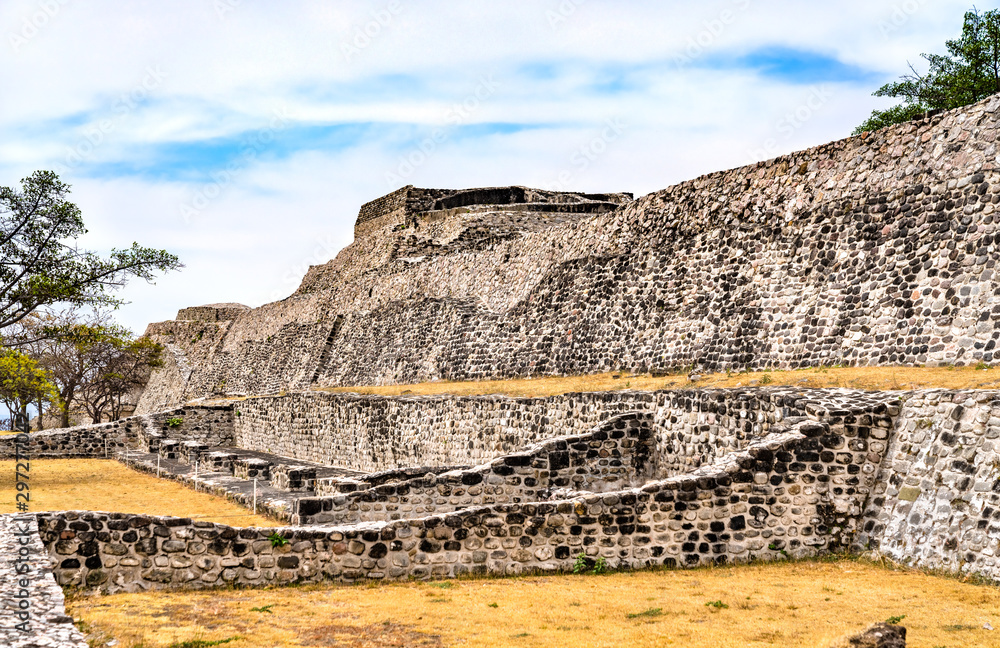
x,y
212,312
400,205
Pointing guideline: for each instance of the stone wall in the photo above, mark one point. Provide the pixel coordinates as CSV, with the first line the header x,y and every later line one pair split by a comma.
x,y
937,501
618,454
372,433
101,440
209,424
387,210
796,492
877,249
915,475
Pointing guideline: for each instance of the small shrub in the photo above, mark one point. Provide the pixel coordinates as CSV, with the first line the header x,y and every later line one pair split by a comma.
x,y
201,643
263,608
893,620
646,614
718,605
766,379
584,565
493,605
982,366
175,421
277,540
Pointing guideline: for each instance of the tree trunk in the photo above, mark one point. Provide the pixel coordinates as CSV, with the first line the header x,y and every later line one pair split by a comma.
x,y
67,398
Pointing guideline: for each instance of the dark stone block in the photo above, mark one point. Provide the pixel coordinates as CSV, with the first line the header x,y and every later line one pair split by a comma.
x,y
309,506
558,460
471,478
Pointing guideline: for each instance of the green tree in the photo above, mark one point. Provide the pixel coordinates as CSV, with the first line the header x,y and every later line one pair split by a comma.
x,y
40,263
23,382
123,366
96,364
969,72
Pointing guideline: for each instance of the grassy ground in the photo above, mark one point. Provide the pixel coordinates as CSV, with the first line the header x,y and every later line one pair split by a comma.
x,y
871,378
106,485
800,604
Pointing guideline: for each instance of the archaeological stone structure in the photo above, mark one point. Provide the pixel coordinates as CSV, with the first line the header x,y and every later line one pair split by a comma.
x,y
879,249
677,478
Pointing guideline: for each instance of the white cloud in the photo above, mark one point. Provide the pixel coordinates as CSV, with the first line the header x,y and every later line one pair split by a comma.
x,y
556,63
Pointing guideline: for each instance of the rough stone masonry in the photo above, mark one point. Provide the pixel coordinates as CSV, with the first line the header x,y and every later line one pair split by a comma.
x,y
876,249
678,478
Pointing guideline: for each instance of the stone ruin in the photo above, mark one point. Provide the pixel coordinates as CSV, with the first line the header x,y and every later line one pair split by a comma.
x,y
877,249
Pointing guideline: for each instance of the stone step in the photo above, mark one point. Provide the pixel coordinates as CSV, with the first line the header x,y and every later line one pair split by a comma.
x,y
251,468
191,451
289,477
219,461
169,448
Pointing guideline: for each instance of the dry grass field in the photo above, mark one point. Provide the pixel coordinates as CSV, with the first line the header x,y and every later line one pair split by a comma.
x,y
869,378
106,485
801,604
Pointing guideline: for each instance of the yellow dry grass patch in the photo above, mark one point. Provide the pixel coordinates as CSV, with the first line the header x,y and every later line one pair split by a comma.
x,y
106,485
869,378
789,604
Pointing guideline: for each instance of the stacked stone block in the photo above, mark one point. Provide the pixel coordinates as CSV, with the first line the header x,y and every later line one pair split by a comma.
x,y
372,433
192,451
289,477
619,453
792,492
208,425
250,468
219,461
937,501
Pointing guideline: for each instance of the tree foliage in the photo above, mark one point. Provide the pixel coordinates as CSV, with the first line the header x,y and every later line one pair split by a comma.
x,y
95,363
23,381
968,73
125,367
40,263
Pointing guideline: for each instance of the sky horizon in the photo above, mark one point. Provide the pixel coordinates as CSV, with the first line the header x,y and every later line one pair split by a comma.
x,y
243,136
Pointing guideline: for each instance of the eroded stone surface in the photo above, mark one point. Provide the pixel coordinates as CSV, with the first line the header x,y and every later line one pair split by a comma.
x,y
28,588
877,249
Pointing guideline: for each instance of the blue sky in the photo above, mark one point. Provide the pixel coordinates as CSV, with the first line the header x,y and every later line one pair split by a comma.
x,y
243,135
